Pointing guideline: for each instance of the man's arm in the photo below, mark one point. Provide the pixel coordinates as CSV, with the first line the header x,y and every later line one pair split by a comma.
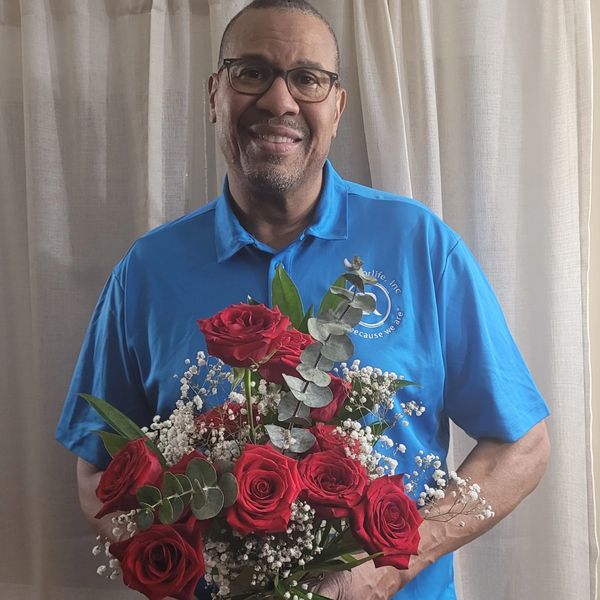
x,y
506,472
88,476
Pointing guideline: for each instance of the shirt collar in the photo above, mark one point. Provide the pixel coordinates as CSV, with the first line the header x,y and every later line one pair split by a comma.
x,y
330,223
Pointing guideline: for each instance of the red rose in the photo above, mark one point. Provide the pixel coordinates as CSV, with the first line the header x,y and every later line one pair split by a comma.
x,y
164,560
134,466
333,482
242,335
341,390
220,416
387,521
287,358
268,483
326,438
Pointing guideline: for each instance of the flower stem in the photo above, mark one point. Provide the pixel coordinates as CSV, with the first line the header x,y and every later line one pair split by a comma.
x,y
248,394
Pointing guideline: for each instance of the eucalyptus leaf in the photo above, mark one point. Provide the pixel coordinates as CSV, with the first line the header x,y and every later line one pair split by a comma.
x,y
171,485
285,295
184,482
330,301
301,440
351,316
201,470
112,441
148,494
121,423
213,505
365,302
317,397
178,507
288,407
342,292
228,484
144,519
165,512
278,435
312,357
223,466
317,331
317,376
198,500
356,280
294,383
338,348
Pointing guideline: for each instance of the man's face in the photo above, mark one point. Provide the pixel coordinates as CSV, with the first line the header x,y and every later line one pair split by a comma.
x,y
273,142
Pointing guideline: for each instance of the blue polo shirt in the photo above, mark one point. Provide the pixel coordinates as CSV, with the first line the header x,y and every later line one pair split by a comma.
x,y
437,322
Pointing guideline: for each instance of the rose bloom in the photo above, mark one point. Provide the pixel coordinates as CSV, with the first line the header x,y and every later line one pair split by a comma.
x,y
327,439
333,482
242,335
268,483
134,466
164,560
387,521
291,344
341,390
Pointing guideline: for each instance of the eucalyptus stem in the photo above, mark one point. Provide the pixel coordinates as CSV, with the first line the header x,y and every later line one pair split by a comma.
x,y
248,394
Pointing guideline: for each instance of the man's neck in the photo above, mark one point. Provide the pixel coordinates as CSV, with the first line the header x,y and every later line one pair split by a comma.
x,y
272,218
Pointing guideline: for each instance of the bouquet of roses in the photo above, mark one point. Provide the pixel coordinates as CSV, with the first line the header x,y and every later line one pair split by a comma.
x,y
287,479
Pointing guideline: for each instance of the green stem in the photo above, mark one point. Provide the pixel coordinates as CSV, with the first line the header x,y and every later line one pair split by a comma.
x,y
248,394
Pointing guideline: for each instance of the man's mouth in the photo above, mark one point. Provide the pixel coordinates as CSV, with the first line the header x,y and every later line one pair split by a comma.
x,y
277,139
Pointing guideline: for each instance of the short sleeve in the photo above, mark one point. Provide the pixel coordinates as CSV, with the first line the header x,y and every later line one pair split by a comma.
x,y
106,368
488,390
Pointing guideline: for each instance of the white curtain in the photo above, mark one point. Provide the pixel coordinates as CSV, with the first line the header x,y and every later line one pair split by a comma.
x,y
479,108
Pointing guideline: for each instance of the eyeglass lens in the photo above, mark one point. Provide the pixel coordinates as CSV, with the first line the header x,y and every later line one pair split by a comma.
x,y
256,77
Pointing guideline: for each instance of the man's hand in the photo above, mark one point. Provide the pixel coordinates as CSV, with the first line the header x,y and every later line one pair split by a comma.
x,y
506,472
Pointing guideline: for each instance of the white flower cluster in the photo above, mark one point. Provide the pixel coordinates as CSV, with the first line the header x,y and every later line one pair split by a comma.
x,y
124,526
268,555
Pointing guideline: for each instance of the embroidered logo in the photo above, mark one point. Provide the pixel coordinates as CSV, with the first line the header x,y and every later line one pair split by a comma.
x,y
387,315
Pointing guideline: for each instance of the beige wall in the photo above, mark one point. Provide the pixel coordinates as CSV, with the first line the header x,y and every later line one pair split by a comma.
x,y
595,256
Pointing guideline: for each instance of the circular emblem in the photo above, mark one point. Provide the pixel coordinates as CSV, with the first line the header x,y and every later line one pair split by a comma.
x,y
383,307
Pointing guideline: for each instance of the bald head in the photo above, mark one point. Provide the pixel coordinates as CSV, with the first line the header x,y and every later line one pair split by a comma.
x,y
300,6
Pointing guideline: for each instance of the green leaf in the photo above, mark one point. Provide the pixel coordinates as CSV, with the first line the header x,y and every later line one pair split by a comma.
x,y
112,441
317,376
121,423
303,327
290,411
364,302
285,295
314,396
229,487
294,383
223,466
178,506
278,435
148,494
312,357
352,316
186,485
356,280
171,485
330,301
250,300
213,505
165,512
202,471
301,440
342,292
238,376
198,500
338,348
398,384
379,427
144,519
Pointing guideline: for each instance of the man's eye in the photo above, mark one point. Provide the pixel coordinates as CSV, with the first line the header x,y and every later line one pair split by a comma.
x,y
251,74
307,79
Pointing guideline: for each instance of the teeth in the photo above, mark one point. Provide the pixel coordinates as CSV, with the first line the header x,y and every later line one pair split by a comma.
x,y
277,139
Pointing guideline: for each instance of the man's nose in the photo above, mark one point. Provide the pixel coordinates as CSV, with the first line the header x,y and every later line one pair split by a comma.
x,y
277,99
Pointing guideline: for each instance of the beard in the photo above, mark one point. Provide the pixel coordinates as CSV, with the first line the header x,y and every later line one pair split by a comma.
x,y
271,177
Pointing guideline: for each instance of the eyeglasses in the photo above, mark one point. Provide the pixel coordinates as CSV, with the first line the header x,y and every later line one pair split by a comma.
x,y
254,77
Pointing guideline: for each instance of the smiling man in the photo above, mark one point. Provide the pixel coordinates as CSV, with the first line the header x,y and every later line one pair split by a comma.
x,y
276,101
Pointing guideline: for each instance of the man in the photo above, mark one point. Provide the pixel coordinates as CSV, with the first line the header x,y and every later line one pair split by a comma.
x,y
276,102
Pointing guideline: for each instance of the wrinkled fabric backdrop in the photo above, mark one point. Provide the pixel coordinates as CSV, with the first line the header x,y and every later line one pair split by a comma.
x,y
481,109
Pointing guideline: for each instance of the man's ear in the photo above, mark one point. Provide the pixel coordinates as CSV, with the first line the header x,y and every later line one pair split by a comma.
x,y
213,84
340,105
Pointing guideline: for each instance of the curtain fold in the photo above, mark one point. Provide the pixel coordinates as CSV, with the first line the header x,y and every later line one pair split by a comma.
x,y
480,109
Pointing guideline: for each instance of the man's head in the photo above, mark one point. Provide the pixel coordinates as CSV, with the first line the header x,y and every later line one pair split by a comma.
x,y
278,139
